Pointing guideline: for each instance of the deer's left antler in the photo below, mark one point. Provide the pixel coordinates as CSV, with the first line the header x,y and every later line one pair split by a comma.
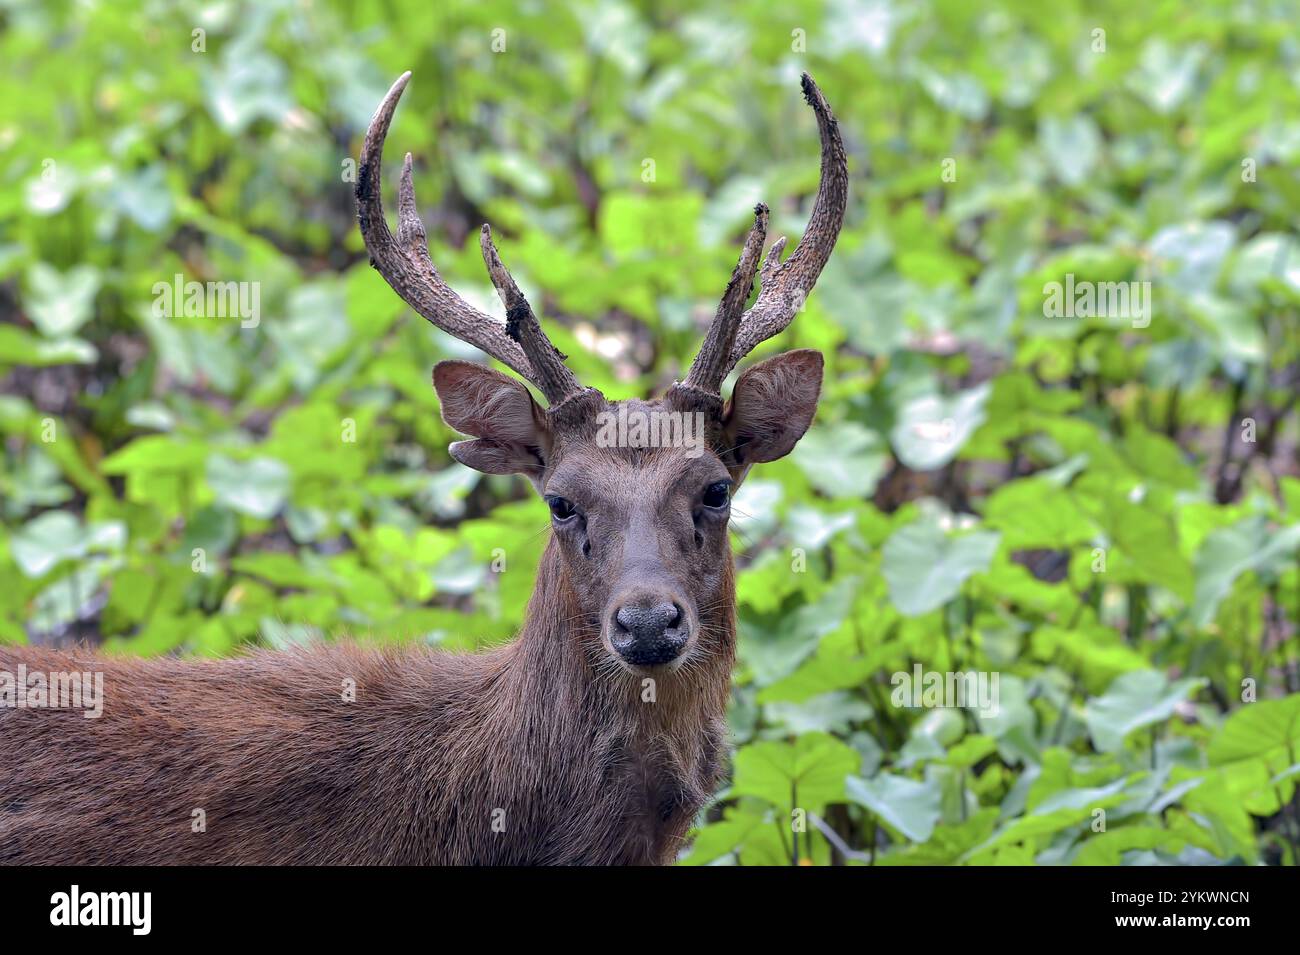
x,y
785,285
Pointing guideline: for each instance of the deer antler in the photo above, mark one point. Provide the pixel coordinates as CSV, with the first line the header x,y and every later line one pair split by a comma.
x,y
405,264
713,360
784,285
553,376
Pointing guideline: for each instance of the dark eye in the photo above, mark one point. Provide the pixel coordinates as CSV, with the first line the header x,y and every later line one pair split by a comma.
x,y
562,509
717,495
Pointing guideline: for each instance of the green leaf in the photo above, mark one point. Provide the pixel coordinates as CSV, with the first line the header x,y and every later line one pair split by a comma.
x,y
931,429
843,459
1155,456
1106,848
1228,553
56,536
925,567
1072,147
833,712
1193,253
1135,700
1035,513
728,834
776,649
156,453
806,774
1262,730
59,304
1147,539
1096,652
1063,810
910,807
280,570
949,841
19,347
257,487
970,751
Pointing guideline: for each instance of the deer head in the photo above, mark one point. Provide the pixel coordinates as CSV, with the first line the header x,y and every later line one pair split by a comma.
x,y
639,491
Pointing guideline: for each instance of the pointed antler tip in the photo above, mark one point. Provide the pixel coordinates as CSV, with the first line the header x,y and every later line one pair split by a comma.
x,y
490,257
395,91
812,93
489,249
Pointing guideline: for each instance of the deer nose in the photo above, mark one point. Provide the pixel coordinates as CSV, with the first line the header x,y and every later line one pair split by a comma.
x,y
649,635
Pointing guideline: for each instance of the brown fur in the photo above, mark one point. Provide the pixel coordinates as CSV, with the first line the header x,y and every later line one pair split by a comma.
x,y
411,772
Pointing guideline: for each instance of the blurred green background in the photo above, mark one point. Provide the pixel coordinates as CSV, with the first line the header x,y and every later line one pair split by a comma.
x,y
1106,516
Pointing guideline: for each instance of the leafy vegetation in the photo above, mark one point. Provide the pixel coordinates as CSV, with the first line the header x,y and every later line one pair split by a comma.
x,y
1103,512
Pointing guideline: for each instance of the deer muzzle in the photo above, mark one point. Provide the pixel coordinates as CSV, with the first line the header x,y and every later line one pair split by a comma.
x,y
649,632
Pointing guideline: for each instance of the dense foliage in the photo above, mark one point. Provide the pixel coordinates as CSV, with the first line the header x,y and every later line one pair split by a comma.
x,y
1102,513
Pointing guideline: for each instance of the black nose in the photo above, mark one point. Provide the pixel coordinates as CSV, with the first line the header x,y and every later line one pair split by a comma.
x,y
649,635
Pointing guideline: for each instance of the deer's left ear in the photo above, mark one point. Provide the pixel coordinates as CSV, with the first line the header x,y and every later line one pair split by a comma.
x,y
771,407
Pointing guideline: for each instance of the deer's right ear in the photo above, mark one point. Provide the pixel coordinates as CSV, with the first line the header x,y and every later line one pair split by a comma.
x,y
510,429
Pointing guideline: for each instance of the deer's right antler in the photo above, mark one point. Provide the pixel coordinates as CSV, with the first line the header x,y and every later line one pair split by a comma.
x,y
405,264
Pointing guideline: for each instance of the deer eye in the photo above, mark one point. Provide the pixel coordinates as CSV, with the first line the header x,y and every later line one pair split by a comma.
x,y
562,509
717,495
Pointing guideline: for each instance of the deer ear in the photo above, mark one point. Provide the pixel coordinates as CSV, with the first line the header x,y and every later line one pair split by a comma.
x,y
771,407
512,436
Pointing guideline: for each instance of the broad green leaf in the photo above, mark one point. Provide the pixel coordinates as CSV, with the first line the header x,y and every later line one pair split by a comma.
x,y
948,842
257,487
157,453
1261,730
904,804
1035,513
1228,553
1065,810
19,347
774,648
806,774
1071,146
925,567
833,712
728,834
1135,700
842,460
931,429
1107,848
56,536
59,304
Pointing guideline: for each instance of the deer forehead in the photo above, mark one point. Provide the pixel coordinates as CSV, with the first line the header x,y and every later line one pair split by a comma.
x,y
626,478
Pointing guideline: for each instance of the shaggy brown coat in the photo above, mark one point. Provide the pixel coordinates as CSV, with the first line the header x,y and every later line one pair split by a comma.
x,y
522,755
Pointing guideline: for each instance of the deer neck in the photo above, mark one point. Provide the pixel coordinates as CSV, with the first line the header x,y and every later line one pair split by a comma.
x,y
658,741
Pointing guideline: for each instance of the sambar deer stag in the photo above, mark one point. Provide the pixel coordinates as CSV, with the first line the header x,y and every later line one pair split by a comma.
x,y
594,738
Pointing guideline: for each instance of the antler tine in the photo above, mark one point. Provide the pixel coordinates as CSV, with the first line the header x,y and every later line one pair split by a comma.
x,y
786,285
405,263
773,261
553,376
711,364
